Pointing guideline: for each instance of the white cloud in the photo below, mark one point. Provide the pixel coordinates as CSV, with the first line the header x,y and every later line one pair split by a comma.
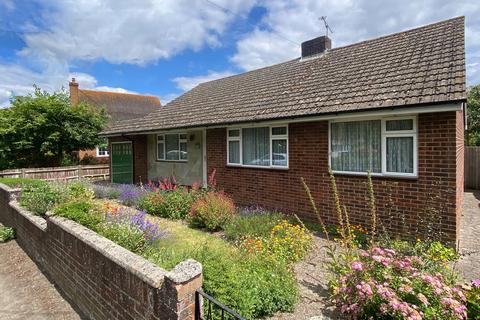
x,y
187,83
120,31
9,5
352,21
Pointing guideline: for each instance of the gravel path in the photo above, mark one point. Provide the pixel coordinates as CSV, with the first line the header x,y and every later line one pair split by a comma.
x,y
469,264
25,293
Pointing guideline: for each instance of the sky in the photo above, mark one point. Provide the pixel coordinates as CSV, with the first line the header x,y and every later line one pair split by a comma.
x,y
166,47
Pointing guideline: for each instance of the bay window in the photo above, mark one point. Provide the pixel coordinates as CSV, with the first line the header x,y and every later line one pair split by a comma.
x,y
172,147
258,146
381,146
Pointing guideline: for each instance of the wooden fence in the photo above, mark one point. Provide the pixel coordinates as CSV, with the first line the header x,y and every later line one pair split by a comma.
x,y
472,168
90,172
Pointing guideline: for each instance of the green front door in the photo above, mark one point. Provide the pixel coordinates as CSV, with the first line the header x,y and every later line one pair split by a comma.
x,y
122,162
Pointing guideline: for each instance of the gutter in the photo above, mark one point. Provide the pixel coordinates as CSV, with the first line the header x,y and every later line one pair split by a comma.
x,y
455,105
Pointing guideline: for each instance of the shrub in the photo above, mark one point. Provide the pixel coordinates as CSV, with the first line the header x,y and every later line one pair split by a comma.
x,y
172,204
40,197
473,300
256,223
79,191
130,195
380,283
286,242
6,233
125,235
213,211
82,213
359,235
102,191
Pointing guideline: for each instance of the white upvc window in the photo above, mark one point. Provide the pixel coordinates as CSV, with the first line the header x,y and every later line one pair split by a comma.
x,y
172,147
102,152
258,146
383,146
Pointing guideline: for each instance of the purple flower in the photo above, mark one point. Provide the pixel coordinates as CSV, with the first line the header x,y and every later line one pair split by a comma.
x,y
357,266
476,283
130,194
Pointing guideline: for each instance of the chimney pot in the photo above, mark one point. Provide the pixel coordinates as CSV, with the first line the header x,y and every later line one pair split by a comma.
x,y
73,92
316,46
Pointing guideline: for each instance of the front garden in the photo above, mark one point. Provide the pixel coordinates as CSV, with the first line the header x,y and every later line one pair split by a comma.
x,y
249,255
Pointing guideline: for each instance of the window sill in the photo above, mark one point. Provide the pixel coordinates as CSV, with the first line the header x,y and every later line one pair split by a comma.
x,y
257,167
376,175
178,161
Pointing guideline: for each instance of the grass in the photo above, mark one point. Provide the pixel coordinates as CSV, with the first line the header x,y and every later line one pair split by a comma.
x,y
17,182
255,225
6,233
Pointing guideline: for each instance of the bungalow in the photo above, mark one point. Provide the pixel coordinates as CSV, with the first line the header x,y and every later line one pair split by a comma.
x,y
119,106
394,106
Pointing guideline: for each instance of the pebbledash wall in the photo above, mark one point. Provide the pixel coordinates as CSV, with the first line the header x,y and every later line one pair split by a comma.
x,y
402,202
99,278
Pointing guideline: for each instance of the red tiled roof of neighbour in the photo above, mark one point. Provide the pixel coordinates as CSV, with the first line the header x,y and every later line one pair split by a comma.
x,y
421,66
120,106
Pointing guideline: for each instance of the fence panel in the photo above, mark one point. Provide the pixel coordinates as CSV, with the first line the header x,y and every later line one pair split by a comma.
x,y
90,172
472,168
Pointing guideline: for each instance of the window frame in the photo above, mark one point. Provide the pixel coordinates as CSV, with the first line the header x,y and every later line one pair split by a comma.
x,y
384,135
271,138
107,152
165,146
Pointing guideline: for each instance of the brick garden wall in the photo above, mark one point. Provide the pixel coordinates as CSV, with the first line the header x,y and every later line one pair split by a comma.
x,y
99,278
403,204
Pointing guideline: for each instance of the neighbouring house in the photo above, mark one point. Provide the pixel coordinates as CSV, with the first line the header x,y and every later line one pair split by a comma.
x,y
394,105
119,106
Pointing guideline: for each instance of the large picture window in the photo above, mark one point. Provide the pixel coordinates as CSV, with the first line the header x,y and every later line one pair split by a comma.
x,y
258,146
382,146
172,147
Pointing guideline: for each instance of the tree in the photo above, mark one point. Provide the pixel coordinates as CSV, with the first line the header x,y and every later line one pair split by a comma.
x,y
472,135
41,128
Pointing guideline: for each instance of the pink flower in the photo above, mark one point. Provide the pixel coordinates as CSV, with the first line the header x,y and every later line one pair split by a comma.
x,y
476,283
357,266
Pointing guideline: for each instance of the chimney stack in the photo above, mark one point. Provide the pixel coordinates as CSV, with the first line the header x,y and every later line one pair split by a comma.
x,y
316,46
73,92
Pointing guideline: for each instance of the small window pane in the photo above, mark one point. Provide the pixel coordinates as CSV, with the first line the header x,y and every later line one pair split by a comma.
x,y
398,125
160,151
256,146
356,146
400,154
160,138
279,152
279,131
183,137
171,143
234,152
183,151
234,133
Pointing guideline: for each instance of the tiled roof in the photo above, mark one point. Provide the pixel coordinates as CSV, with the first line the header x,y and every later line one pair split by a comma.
x,y
415,67
120,106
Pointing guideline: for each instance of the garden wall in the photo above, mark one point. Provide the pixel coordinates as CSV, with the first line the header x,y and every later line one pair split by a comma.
x,y
99,278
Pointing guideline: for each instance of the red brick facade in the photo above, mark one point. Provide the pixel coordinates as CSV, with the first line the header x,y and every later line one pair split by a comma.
x,y
404,204
139,144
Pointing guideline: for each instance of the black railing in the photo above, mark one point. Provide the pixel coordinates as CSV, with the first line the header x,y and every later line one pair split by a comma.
x,y
212,309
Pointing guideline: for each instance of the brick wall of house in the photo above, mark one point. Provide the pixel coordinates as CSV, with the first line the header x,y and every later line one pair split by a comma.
x,y
460,164
140,159
99,278
404,205
82,154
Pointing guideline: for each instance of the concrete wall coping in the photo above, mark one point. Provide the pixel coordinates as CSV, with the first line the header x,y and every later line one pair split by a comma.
x,y
38,221
9,189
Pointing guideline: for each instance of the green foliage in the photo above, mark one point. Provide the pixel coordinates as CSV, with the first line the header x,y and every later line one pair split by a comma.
x,y
41,196
82,213
212,211
79,191
167,204
253,286
6,233
473,300
124,235
254,225
17,182
472,135
40,128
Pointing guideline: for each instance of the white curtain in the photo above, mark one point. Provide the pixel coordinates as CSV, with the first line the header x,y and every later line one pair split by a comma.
x,y
356,146
400,154
234,151
256,146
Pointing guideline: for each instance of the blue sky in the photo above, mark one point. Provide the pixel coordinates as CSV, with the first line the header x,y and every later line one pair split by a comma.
x,y
165,47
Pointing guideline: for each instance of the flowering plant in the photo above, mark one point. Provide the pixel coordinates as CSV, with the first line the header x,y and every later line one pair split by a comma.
x,y
287,242
473,299
130,194
212,211
382,283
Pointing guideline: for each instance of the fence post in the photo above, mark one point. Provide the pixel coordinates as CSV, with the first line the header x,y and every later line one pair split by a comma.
x,y
22,173
79,174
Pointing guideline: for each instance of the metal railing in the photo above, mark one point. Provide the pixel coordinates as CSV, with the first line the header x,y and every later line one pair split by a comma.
x,y
213,309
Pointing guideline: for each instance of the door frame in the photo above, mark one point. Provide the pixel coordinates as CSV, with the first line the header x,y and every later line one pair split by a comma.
x,y
111,159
